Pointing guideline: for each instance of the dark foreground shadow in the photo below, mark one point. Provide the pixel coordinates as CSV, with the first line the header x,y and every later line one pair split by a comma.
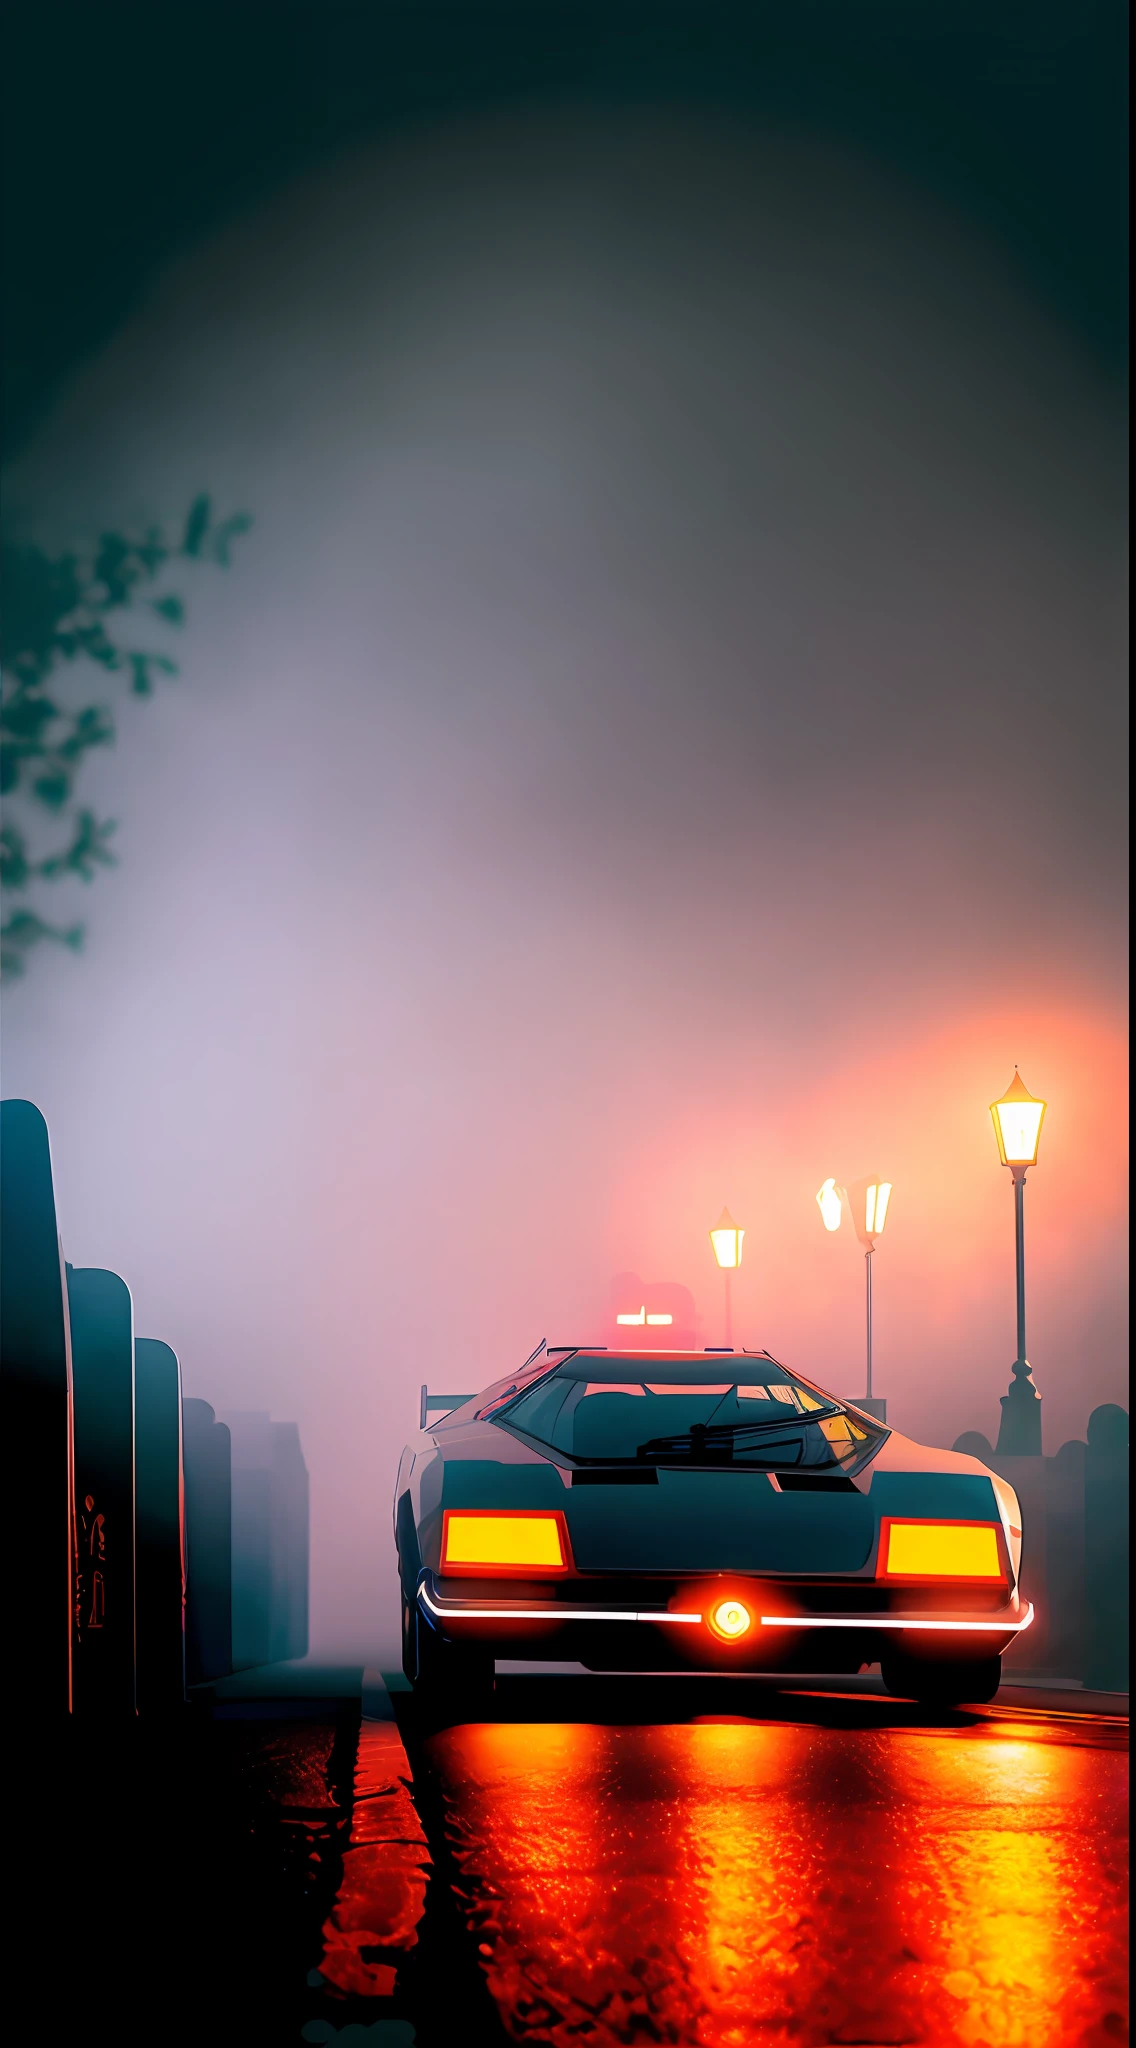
x,y
171,1882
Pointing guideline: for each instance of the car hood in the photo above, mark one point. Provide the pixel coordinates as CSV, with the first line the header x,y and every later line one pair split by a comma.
x,y
702,1521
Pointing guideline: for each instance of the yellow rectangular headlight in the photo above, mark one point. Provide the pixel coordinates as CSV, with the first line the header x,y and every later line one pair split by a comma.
x,y
491,1542
940,1550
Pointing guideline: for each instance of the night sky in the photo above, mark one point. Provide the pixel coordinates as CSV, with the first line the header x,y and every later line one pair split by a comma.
x,y
660,742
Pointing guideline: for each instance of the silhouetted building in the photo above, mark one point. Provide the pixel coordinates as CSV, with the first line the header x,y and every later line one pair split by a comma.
x,y
35,1422
102,1364
270,1539
159,1527
251,1432
290,1543
207,1456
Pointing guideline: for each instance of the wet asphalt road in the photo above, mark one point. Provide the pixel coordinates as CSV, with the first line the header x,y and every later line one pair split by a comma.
x,y
605,1862
834,1871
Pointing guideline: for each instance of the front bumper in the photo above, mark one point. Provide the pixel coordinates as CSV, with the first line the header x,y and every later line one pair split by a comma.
x,y
610,1635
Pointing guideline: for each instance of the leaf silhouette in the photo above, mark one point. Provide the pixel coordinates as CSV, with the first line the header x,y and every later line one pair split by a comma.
x,y
226,533
23,930
90,728
196,526
14,868
140,667
59,610
88,850
53,788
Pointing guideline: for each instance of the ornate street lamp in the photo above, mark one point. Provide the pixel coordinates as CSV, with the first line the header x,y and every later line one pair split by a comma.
x,y
726,1238
1018,1117
867,1204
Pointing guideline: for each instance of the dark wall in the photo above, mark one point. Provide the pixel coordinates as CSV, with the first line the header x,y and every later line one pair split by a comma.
x,y
160,1524
209,1543
102,1358
35,1410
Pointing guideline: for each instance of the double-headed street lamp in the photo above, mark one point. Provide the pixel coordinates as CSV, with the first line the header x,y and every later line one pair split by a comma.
x,y
726,1238
867,1203
1018,1117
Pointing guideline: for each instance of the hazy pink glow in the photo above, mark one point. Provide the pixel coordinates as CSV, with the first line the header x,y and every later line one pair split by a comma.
x,y
580,808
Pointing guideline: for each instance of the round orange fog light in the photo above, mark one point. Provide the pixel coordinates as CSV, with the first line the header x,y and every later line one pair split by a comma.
x,y
731,1619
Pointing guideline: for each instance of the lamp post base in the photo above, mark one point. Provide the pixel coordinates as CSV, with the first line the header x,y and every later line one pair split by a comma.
x,y
1019,1433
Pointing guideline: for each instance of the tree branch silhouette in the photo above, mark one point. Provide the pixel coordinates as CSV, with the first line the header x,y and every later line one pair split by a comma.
x,y
57,610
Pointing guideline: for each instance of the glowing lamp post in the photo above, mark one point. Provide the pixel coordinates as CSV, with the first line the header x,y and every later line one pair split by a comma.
x,y
867,1203
726,1238
1018,1117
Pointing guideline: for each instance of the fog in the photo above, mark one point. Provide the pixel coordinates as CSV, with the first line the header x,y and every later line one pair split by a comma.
x,y
659,745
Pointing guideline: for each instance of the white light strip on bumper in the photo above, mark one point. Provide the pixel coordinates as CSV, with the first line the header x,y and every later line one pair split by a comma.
x,y
544,1613
767,1620
1000,1628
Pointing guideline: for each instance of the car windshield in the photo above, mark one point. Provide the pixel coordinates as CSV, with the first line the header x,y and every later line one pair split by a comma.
x,y
703,1411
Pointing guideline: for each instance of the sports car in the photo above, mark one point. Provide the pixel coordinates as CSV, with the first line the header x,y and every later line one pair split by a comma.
x,y
697,1511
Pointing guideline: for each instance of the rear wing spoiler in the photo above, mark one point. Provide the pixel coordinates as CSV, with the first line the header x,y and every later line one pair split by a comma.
x,y
428,1401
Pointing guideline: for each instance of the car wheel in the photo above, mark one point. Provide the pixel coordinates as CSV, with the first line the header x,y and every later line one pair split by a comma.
x,y
454,1679
943,1685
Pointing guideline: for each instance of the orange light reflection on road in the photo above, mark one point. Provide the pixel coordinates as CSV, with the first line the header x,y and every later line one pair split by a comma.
x,y
1023,1940
722,1883
536,1794
745,1938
